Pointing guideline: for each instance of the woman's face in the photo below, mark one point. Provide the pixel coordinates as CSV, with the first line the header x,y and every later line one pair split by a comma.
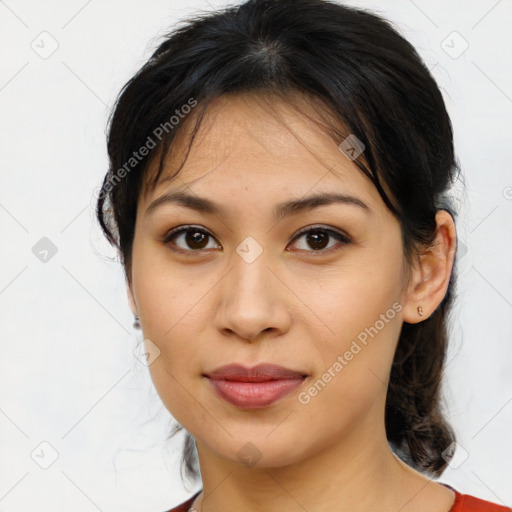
x,y
253,291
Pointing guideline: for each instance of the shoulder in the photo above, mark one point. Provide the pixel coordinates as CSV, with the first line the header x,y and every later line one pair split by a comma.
x,y
183,507
467,503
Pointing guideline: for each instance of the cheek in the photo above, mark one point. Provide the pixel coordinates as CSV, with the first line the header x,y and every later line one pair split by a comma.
x,y
168,293
354,373
175,307
359,309
354,295
173,325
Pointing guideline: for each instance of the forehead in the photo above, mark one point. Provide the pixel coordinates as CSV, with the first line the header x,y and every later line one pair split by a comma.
x,y
263,144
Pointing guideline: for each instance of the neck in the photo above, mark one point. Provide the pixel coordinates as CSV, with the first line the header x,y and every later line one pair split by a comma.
x,y
358,474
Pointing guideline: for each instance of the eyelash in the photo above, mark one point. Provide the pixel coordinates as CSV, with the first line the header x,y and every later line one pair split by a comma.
x,y
343,238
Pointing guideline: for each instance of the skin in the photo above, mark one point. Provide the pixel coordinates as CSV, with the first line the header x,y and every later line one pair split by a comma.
x,y
291,306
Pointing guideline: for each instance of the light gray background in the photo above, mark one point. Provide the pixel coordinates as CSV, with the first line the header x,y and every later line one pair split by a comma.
x,y
68,373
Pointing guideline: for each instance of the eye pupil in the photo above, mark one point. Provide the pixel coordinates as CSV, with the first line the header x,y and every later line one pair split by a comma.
x,y
194,239
317,239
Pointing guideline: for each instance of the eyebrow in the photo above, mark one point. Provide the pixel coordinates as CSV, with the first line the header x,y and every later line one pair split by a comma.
x,y
285,209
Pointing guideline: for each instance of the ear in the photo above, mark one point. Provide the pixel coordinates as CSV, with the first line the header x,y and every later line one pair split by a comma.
x,y
431,274
129,287
131,299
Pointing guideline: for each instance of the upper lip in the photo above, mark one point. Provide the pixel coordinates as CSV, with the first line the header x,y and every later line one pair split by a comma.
x,y
260,373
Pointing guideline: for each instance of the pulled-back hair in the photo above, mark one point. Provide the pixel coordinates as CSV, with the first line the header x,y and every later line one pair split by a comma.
x,y
372,84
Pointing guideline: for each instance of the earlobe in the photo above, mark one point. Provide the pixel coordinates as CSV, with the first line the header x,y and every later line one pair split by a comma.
x,y
431,275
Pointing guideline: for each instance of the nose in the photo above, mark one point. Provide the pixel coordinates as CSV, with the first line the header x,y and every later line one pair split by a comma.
x,y
252,301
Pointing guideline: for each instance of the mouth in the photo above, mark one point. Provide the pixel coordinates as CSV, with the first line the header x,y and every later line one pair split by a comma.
x,y
256,387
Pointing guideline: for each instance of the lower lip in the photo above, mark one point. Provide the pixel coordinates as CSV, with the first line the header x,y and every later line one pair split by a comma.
x,y
254,395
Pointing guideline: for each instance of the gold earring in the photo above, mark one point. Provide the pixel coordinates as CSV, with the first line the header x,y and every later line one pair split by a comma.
x,y
420,311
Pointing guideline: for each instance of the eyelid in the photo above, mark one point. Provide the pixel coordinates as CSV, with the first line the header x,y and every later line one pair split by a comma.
x,y
322,227
341,235
183,229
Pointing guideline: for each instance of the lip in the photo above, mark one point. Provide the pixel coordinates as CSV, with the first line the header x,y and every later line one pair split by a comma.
x,y
255,387
260,373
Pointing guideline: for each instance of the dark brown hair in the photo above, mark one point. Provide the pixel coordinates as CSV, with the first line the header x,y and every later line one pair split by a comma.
x,y
373,83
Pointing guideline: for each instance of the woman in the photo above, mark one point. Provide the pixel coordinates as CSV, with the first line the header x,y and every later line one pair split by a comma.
x,y
278,194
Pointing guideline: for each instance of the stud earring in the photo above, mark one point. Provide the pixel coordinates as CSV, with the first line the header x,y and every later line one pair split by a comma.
x,y
420,311
136,322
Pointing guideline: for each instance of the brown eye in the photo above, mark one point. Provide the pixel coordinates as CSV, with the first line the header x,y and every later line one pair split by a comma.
x,y
318,239
194,239
191,239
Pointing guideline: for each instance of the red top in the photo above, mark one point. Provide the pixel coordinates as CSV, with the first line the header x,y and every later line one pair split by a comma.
x,y
463,503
